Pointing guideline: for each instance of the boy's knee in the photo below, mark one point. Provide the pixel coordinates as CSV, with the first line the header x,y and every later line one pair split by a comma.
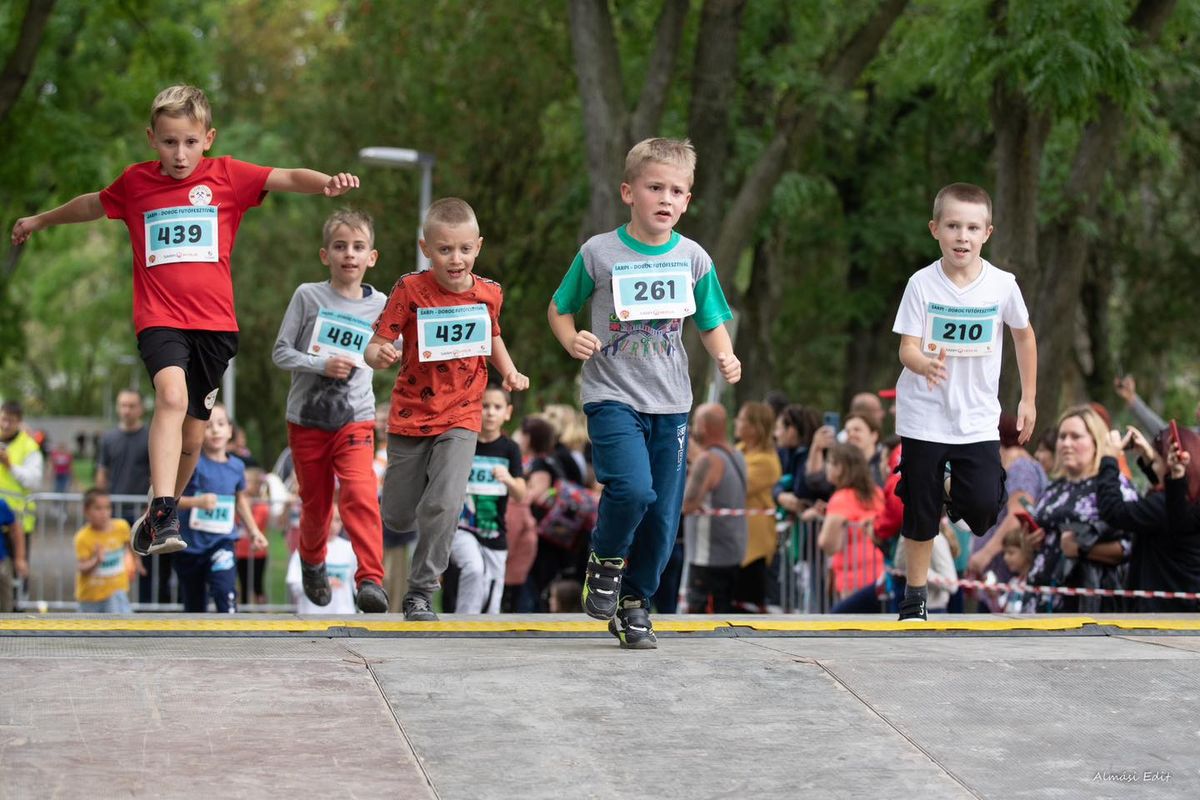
x,y
172,398
630,493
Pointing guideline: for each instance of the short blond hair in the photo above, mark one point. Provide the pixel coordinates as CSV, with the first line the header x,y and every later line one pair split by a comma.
x,y
449,211
963,193
672,152
182,101
355,220
1096,427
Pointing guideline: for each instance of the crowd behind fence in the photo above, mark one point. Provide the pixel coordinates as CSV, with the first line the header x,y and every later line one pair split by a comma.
x,y
801,571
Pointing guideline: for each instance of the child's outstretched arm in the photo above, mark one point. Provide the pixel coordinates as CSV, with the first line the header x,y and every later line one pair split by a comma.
x,y
718,344
933,369
84,208
381,353
579,344
309,181
513,381
1026,348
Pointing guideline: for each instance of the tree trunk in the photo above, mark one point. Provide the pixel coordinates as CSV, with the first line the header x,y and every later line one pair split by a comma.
x,y
609,127
714,80
20,62
605,118
1065,243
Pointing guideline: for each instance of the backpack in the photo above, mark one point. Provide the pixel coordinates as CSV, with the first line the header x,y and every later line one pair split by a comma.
x,y
570,514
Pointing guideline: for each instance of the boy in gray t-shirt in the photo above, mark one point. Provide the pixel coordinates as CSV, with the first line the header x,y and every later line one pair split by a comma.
x,y
642,280
331,408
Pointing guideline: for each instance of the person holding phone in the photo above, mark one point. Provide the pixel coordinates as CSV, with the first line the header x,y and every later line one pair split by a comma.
x,y
1165,552
1076,546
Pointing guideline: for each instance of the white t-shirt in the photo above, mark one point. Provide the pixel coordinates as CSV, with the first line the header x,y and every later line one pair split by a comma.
x,y
341,564
969,322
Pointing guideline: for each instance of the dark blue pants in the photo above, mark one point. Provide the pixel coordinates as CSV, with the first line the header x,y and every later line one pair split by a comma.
x,y
641,460
208,573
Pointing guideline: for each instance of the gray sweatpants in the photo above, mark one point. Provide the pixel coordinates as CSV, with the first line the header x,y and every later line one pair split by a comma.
x,y
423,490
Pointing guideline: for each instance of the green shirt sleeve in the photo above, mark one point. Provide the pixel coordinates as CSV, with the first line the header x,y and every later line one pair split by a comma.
x,y
711,307
576,287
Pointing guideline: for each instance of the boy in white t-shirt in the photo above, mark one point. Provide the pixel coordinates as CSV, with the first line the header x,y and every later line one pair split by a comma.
x,y
951,323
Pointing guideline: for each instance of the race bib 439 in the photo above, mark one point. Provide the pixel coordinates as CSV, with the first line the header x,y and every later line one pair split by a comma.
x,y
185,233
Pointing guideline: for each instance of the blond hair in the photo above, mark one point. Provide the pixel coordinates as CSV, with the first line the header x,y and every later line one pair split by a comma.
x,y
355,220
182,101
672,152
963,193
1096,427
567,425
449,211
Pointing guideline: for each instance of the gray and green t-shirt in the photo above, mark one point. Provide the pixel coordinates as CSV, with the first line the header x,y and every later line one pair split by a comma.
x,y
642,363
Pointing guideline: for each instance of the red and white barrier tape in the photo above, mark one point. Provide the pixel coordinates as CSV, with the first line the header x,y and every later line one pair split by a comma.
x,y
1068,591
732,512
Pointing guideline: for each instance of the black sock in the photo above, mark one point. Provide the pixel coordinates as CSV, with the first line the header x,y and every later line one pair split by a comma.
x,y
164,504
912,592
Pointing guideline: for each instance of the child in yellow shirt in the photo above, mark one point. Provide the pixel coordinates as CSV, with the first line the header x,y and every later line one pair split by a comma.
x,y
102,583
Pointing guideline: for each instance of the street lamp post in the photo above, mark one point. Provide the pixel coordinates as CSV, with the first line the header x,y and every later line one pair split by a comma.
x,y
405,158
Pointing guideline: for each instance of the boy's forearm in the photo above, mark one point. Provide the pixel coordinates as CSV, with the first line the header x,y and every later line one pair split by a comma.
x,y
912,358
1026,350
300,181
500,359
246,513
716,341
84,208
562,326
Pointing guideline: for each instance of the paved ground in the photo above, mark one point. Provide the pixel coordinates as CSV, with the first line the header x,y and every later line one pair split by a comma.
x,y
787,708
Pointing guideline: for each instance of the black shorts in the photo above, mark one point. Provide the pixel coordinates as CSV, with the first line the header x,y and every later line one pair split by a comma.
x,y
202,355
977,490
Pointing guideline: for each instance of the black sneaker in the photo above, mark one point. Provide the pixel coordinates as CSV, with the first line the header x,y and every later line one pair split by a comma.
x,y
602,586
140,539
417,609
912,609
164,531
315,580
371,599
632,626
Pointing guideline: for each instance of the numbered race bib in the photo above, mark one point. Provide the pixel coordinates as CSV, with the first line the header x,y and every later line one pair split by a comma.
x,y
219,520
112,564
482,481
186,233
453,332
653,290
338,334
960,330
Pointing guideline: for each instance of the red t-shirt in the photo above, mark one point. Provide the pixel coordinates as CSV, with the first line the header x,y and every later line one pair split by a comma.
x,y
182,235
859,562
431,397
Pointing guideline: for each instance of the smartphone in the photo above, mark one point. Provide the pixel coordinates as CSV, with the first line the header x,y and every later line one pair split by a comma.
x,y
1027,519
1025,514
1175,433
833,419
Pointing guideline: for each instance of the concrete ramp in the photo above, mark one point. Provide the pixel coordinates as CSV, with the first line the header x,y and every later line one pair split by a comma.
x,y
550,707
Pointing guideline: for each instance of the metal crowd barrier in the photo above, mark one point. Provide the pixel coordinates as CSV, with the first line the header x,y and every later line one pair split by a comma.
x,y
804,574
50,585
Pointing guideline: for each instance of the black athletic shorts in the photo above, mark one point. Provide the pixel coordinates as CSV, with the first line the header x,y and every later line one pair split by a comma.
x,y
203,356
977,490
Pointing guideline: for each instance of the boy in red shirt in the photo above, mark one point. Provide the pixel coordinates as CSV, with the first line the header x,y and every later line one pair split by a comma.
x,y
450,322
182,212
